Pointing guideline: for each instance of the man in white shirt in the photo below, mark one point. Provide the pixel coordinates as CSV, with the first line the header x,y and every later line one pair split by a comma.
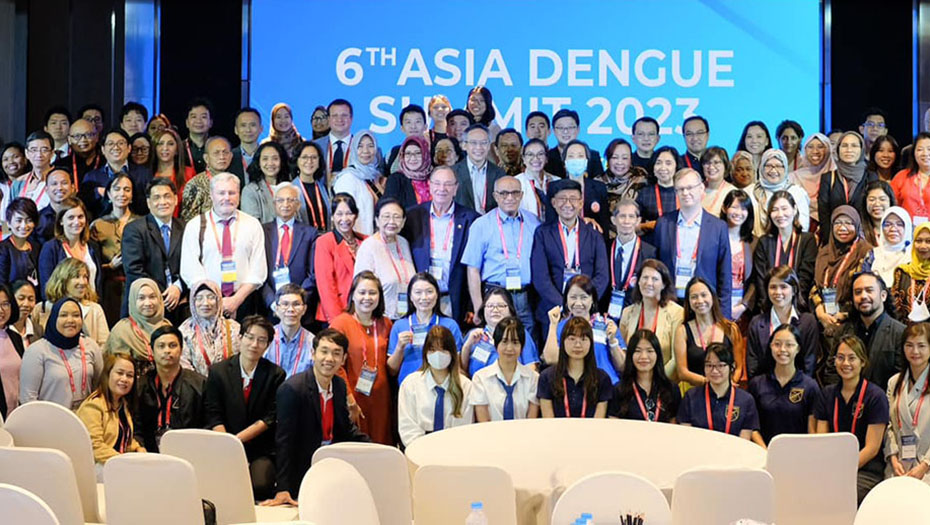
x,y
229,249
335,146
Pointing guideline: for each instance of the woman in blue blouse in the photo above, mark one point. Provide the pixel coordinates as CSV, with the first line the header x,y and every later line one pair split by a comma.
x,y
479,349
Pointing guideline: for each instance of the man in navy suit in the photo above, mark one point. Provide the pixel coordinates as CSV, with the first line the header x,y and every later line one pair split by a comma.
x,y
692,242
476,174
627,253
566,248
116,149
152,248
288,247
437,232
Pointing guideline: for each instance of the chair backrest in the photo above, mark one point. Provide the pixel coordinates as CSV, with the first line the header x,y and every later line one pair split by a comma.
x,y
443,494
151,489
47,473
805,467
333,492
22,507
385,471
895,500
708,496
48,425
222,470
6,439
608,494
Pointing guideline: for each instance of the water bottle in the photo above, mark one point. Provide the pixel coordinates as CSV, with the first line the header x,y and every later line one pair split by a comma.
x,y
477,515
587,518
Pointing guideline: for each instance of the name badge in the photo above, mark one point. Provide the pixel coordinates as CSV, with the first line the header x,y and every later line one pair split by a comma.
x,y
401,304
683,274
435,268
567,275
228,271
366,381
600,332
513,281
168,279
281,277
419,334
617,297
736,297
909,447
829,300
482,352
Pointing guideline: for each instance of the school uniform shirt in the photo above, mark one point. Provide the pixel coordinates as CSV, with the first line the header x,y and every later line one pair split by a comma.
x,y
784,409
294,355
417,400
413,354
630,409
874,411
484,353
601,350
487,388
574,393
904,410
693,410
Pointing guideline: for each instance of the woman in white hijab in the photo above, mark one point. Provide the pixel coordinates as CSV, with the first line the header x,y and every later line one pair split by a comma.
x,y
895,247
772,177
362,179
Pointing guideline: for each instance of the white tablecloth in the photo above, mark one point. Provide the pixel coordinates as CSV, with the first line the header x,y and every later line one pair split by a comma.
x,y
545,456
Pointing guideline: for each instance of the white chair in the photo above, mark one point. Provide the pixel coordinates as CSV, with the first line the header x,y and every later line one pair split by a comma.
x,y
47,473
151,489
6,439
385,471
896,500
48,425
334,493
608,494
708,496
805,467
444,494
222,470
22,507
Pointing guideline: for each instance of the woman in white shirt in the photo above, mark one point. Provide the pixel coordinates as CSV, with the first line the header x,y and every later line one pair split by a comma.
x,y
907,439
387,255
434,397
362,179
506,389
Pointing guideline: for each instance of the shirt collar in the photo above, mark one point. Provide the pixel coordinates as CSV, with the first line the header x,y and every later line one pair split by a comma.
x,y
124,168
345,140
432,211
283,336
160,224
290,223
431,383
504,217
517,373
247,375
472,167
697,220
773,316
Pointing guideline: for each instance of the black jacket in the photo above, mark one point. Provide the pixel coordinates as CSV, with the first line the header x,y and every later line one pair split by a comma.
x,y
186,408
144,254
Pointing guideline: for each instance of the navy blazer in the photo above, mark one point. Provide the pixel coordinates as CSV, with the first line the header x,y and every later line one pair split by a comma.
x,y
300,262
16,265
416,231
596,205
45,230
53,253
548,264
144,255
465,195
99,205
713,253
556,166
646,251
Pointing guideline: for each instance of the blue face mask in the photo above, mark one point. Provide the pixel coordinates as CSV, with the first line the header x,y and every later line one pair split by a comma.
x,y
576,167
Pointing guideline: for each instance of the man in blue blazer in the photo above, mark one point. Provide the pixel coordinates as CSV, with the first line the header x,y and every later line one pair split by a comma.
x,y
116,149
428,229
288,248
475,173
694,243
586,253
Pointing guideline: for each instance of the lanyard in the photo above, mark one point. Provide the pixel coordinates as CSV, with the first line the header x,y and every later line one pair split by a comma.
x,y
203,349
577,258
277,348
839,270
632,267
374,326
400,255
64,359
845,188
138,331
710,417
739,275
164,403
345,159
270,191
916,414
216,236
290,246
70,253
678,246
659,200
920,193
791,242
584,401
500,228
642,407
655,320
710,339
187,144
539,204
25,190
311,205
836,408
432,236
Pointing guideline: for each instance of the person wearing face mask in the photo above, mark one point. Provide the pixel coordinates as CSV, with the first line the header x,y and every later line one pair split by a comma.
x,y
476,174
896,246
696,132
363,180
912,278
574,386
479,350
410,184
387,255
72,240
59,187
659,198
627,254
63,367
268,169
207,337
912,185
876,199
907,440
506,389
622,180
818,159
133,333
732,410
107,231
85,154
646,137
847,183
196,198
716,168
19,253
784,244
435,397
780,307
654,309
772,177
595,207
566,126
93,189
644,392
288,247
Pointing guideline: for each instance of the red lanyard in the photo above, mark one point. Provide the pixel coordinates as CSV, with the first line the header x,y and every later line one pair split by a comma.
x,y
187,144
345,159
374,327
216,236
642,407
584,400
739,274
203,349
845,188
400,255
311,206
916,414
432,236
500,228
326,417
655,320
577,258
659,200
839,271
713,330
139,333
64,359
710,416
277,349
164,403
630,272
836,407
68,251
920,193
539,204
791,242
697,243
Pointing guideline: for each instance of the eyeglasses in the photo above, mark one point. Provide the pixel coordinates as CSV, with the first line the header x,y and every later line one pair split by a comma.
x,y
778,345
6,305
495,307
115,144
262,341
773,167
395,218
844,359
307,158
687,189
319,118
720,367
412,154
558,201
95,120
43,151
479,143
82,136
515,194
290,306
646,135
141,149
565,129
840,223
286,200
870,124
692,134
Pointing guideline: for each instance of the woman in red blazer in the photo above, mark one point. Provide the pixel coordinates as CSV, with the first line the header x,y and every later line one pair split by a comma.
x,y
334,258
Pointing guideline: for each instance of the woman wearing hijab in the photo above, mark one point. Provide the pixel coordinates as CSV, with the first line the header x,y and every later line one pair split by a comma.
x,y
742,175
845,184
895,248
283,130
62,367
410,185
912,279
362,179
772,177
818,159
132,334
837,262
208,337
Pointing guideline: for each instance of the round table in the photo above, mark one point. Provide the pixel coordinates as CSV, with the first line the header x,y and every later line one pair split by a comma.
x,y
545,456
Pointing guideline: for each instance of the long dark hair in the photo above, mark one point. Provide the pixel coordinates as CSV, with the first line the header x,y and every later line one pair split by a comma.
x,y
879,142
320,172
489,112
660,382
782,194
440,337
729,327
255,171
579,327
741,197
912,167
367,275
742,138
427,277
784,273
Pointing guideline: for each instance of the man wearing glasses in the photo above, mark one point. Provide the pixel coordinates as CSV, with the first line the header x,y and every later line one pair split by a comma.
x,y
694,243
92,190
85,156
874,125
39,150
646,137
696,132
476,174
567,125
287,249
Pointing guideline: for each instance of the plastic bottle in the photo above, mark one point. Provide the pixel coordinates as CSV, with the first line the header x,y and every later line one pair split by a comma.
x,y
477,515
587,518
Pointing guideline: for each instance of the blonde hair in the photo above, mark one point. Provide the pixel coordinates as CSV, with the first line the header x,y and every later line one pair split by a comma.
x,y
57,286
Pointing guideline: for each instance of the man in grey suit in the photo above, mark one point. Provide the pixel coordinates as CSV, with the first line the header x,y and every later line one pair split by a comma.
x,y
476,175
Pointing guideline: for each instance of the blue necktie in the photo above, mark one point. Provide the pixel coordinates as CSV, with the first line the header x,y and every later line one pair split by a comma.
x,y
508,401
439,410
166,236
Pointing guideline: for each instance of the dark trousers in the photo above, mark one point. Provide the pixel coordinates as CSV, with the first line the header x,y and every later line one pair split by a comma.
x,y
262,473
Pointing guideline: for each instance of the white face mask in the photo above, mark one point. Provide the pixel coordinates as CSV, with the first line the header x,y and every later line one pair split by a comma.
x,y
438,360
576,167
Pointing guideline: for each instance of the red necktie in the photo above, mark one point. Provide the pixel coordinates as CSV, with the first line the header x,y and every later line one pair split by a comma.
x,y
227,252
285,245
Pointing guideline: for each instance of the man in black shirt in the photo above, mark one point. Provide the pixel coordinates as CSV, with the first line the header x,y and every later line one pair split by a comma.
x,y
199,121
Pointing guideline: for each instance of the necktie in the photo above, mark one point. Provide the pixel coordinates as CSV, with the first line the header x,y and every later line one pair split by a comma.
x,y
508,401
227,253
285,245
618,264
439,409
338,157
166,236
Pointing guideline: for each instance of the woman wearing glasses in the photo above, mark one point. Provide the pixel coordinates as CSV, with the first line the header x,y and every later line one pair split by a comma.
x,y
773,177
534,181
732,410
846,183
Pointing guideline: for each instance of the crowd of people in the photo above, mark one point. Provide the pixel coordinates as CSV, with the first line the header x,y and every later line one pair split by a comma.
x,y
473,274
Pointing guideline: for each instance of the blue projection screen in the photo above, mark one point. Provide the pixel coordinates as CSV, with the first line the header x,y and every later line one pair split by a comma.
x,y
612,61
